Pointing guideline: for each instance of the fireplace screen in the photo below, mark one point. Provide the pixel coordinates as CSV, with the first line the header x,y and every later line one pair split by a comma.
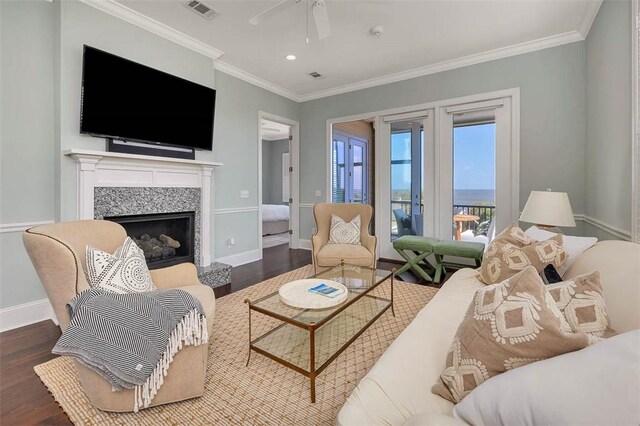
x,y
165,238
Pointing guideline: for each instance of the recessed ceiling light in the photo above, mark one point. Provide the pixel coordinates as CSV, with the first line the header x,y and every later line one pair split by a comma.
x,y
290,57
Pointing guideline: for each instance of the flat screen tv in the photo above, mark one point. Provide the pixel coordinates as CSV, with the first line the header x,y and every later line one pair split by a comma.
x,y
122,99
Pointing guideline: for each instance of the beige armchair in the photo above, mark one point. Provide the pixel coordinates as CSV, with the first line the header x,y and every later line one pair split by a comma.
x,y
326,255
57,252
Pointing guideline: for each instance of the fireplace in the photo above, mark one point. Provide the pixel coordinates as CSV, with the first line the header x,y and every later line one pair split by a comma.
x,y
165,238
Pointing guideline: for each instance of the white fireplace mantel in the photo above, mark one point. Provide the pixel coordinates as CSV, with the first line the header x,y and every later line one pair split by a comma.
x,y
112,169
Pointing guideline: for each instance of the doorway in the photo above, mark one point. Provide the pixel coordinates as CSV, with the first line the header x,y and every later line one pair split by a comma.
x,y
278,182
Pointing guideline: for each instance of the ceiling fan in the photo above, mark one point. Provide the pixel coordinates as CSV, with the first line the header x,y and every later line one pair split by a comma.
x,y
318,11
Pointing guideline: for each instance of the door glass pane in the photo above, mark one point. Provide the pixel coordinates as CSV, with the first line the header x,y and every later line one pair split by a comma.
x,y
406,178
474,180
358,173
339,172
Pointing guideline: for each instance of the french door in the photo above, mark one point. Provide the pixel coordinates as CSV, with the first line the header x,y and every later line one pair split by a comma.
x,y
445,170
349,169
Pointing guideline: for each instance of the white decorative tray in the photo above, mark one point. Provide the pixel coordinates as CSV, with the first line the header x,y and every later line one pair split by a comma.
x,y
297,294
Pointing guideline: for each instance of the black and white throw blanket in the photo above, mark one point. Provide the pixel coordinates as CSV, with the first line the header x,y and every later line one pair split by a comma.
x,y
130,339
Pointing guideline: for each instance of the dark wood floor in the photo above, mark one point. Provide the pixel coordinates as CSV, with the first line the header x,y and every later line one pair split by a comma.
x,y
24,400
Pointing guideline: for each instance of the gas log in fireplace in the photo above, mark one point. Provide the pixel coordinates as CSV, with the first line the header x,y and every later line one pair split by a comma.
x,y
165,238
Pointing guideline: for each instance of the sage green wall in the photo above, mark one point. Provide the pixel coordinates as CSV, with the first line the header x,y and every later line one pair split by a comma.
x,y
26,138
552,117
236,145
608,136
275,170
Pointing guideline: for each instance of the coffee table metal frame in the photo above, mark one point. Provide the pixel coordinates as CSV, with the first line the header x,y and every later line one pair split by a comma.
x,y
312,327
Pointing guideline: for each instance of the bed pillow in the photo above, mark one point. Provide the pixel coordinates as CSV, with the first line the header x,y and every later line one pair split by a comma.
x,y
507,325
511,251
342,232
581,302
125,271
574,246
598,385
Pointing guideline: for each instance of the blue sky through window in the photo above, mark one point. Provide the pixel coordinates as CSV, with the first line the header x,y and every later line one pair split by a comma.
x,y
474,152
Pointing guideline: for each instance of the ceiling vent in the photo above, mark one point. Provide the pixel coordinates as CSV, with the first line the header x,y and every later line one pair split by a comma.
x,y
202,9
315,74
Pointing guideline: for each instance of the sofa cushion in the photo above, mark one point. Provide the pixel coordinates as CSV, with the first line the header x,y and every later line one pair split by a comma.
x,y
598,385
332,254
580,301
512,251
431,419
342,232
124,271
507,325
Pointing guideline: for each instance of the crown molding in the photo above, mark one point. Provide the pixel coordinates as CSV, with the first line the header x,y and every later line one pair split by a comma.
x,y
491,55
136,18
256,81
588,17
120,11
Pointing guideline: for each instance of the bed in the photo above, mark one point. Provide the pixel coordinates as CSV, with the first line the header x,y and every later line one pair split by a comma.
x,y
275,219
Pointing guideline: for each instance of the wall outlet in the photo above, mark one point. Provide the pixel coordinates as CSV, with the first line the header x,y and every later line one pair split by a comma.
x,y
313,230
318,193
231,242
244,193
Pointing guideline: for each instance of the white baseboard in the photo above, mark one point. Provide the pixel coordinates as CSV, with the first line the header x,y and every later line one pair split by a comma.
x,y
25,314
241,258
305,244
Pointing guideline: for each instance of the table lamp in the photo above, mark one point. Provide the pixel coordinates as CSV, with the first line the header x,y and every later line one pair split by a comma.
x,y
548,210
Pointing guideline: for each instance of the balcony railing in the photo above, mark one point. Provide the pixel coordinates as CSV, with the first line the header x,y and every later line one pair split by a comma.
x,y
483,212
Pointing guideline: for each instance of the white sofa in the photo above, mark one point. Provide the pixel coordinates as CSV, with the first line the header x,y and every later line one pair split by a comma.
x,y
398,387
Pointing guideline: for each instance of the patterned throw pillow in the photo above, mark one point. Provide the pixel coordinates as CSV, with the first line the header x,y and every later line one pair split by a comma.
x,y
342,232
512,251
508,325
580,301
125,271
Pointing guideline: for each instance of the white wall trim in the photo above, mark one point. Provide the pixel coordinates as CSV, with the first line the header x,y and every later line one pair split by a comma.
x,y
25,314
136,18
588,17
241,258
158,28
306,205
617,232
256,81
491,55
305,245
236,210
21,227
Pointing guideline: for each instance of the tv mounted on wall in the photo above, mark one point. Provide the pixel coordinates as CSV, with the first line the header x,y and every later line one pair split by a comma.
x,y
127,101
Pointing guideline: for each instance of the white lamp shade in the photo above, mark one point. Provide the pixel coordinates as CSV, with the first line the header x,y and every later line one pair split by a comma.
x,y
548,208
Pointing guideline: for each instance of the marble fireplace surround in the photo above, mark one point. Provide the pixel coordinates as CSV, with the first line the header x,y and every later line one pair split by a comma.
x,y
114,184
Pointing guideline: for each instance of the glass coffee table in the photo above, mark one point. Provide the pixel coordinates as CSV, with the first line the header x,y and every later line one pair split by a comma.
x,y
308,340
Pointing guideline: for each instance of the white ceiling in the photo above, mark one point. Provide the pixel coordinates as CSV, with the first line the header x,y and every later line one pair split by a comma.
x,y
420,37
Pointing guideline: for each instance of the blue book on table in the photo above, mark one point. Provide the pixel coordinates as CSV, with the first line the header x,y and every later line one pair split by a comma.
x,y
326,290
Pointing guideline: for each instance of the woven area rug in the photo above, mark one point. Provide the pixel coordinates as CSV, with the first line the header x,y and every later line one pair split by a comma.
x,y
265,392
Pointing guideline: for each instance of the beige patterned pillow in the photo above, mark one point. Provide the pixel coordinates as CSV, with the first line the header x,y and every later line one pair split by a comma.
x,y
124,271
508,325
580,301
342,232
512,251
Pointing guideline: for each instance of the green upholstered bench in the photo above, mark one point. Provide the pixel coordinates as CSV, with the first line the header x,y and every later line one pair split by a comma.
x,y
467,249
414,250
